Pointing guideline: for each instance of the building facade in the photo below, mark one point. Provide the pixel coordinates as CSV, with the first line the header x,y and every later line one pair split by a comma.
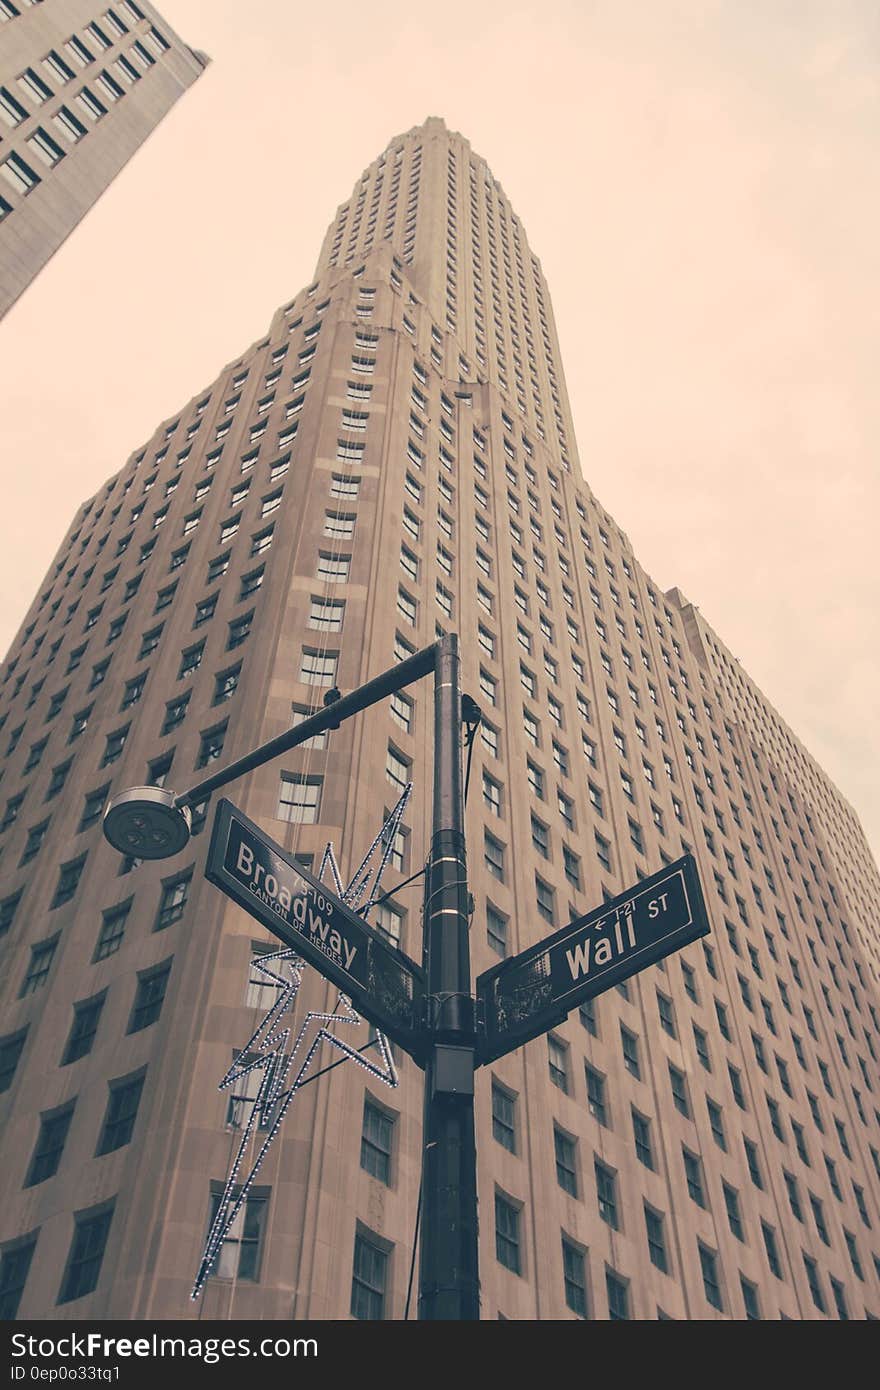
x,y
81,88
393,460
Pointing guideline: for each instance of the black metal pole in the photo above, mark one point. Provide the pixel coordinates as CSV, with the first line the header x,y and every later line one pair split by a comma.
x,y
448,1272
330,717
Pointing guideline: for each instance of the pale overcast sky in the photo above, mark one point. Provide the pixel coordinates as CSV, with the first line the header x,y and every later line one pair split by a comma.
x,y
700,181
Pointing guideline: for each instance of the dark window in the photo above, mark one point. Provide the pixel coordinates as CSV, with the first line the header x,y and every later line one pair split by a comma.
x,y
35,838
112,931
115,745
376,1140
173,900
241,1249
694,1174
175,713
59,774
205,610
122,1108
15,1263
81,1038
566,1161
7,911
226,684
94,806
772,1250
368,1280
504,1117
507,1250
191,660
711,1282
606,1194
134,689
630,1044
239,631
211,745
150,996
617,1290
49,1146
642,1136
596,1095
656,1240
86,1254
39,966
11,1048
575,1278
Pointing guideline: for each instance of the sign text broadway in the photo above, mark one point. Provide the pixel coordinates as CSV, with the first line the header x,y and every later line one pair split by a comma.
x,y
382,982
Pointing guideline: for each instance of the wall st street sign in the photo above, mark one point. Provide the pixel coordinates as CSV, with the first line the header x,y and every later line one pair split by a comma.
x,y
526,995
383,984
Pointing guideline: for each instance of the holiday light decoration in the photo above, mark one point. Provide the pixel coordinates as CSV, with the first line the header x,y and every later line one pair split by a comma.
x,y
266,1050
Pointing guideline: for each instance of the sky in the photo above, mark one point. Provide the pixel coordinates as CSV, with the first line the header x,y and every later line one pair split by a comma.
x,y
699,179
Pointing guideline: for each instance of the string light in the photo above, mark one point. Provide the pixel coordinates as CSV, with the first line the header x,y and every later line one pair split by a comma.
x,y
269,1041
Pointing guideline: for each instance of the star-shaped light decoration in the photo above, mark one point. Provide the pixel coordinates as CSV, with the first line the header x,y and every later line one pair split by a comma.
x,y
267,1048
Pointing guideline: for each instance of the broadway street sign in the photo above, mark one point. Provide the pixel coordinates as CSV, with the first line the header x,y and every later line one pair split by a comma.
x,y
383,984
524,996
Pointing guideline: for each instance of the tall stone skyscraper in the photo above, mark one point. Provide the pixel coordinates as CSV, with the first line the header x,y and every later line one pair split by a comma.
x,y
81,88
394,459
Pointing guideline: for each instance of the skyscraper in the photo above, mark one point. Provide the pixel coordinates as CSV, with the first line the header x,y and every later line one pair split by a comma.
x,y
81,88
393,460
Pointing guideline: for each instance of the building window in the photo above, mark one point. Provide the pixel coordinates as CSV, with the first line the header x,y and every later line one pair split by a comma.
x,y
36,835
606,1194
173,900
240,1252
38,967
574,1278
369,1279
558,1062
121,1113
211,745
565,1149
318,668
507,1235
376,1141
596,1095
617,1290
226,684
86,1254
68,881
630,1044
496,930
150,996
50,1145
711,1281
239,631
642,1136
19,175
504,1117
678,1084
694,1175
333,569
175,713
656,1240
493,855
326,614
114,746
15,1263
299,799
667,1017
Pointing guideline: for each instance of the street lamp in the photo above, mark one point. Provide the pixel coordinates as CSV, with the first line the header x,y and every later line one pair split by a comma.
x,y
156,823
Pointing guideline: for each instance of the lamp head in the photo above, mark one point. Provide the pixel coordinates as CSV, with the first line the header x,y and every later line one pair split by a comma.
x,y
145,822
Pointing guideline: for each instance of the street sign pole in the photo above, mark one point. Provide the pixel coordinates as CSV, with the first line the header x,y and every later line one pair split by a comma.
x,y
448,1272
